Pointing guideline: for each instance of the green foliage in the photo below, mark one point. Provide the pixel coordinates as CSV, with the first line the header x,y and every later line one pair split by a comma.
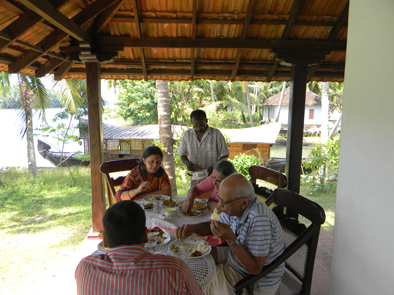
x,y
242,163
323,161
137,102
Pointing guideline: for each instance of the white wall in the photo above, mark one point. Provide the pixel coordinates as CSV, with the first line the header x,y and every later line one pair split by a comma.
x,y
363,254
270,113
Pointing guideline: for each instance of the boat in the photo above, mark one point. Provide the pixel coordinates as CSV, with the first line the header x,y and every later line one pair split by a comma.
x,y
279,164
57,159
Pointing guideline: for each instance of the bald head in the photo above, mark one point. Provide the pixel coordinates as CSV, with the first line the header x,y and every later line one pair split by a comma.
x,y
237,186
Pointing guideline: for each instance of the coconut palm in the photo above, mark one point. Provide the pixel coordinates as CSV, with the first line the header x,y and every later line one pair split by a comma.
x,y
33,95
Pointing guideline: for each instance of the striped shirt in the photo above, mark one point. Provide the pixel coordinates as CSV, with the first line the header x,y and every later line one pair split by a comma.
x,y
133,270
206,153
260,233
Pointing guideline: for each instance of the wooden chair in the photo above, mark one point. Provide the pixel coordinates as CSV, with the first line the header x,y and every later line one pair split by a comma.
x,y
271,176
113,183
301,244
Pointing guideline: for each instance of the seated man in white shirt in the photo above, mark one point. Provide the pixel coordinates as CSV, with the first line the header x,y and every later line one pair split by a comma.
x,y
251,230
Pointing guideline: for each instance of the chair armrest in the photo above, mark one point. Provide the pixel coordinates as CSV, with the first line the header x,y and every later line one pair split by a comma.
x,y
289,251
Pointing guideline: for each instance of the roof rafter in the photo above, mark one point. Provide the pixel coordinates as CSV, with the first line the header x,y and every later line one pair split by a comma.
x,y
57,36
47,11
62,70
51,64
139,35
339,24
295,10
247,19
221,21
23,23
220,43
105,17
194,33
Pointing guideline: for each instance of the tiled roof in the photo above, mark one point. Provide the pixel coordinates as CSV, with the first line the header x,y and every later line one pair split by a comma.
x,y
311,99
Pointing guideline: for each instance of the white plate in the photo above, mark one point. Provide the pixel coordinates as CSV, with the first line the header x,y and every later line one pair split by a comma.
x,y
197,175
176,203
161,239
201,203
187,247
181,214
154,198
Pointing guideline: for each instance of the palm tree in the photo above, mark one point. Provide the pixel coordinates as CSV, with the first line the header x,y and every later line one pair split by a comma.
x,y
33,95
164,114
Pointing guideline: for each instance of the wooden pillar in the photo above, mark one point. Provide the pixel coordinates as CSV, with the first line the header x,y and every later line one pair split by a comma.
x,y
295,130
93,82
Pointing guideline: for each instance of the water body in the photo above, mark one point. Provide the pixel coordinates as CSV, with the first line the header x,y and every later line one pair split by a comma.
x,y
13,150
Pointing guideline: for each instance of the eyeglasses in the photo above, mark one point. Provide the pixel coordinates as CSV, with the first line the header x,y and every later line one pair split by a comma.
x,y
229,202
216,180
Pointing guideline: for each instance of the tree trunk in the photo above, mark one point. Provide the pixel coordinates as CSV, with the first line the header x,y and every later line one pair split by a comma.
x,y
164,113
324,112
248,102
27,108
212,94
335,127
280,101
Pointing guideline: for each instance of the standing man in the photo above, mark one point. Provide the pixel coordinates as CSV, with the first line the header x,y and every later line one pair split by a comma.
x,y
202,147
128,268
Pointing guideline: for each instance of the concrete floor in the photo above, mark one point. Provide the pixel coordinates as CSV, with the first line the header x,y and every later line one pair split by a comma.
x,y
322,270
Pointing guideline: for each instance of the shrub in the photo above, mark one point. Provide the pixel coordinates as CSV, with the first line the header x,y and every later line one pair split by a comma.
x,y
242,163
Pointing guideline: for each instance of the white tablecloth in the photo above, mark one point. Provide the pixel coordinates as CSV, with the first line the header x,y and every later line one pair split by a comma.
x,y
203,268
171,224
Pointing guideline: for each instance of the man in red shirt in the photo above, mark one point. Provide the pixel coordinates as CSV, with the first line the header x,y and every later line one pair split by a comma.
x,y
127,268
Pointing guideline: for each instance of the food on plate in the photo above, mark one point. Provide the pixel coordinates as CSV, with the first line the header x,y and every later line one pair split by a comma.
x,y
174,248
215,215
155,198
170,203
191,214
196,253
148,206
199,205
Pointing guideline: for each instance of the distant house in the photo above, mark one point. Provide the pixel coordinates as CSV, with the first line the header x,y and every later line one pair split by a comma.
x,y
130,142
312,108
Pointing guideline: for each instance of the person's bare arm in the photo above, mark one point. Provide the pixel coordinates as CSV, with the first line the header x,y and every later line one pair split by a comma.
x,y
192,194
223,158
133,193
186,230
252,263
188,164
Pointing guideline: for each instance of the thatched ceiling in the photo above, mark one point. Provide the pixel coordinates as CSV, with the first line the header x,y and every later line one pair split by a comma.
x,y
173,39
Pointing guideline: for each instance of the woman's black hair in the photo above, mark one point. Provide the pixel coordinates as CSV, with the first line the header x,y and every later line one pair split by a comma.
x,y
149,151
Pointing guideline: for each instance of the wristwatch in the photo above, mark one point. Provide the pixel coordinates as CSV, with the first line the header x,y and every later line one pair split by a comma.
x,y
234,244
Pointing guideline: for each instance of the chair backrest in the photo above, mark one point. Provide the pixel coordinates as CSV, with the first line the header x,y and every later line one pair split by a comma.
x,y
301,243
112,167
271,176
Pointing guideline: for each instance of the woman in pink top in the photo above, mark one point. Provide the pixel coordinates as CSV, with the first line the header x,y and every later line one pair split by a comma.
x,y
221,170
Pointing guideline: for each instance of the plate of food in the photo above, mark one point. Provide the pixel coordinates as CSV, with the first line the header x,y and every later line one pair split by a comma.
x,y
192,213
170,203
148,206
198,204
155,198
198,175
161,237
190,248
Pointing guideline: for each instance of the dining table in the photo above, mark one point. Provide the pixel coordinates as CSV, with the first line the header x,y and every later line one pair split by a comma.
x,y
203,268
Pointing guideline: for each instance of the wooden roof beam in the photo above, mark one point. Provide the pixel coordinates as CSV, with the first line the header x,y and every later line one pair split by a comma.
x,y
62,70
307,45
210,21
58,36
104,17
339,24
203,73
272,69
194,33
295,10
248,17
139,36
24,22
51,64
144,69
47,11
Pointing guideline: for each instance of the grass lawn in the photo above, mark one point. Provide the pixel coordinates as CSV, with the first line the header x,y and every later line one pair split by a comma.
x,y
42,221
45,218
